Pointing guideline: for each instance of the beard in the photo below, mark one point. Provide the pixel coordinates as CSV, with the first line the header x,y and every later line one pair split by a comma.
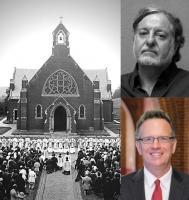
x,y
149,61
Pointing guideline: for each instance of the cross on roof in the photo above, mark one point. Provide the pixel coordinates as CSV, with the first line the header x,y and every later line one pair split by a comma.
x,y
61,19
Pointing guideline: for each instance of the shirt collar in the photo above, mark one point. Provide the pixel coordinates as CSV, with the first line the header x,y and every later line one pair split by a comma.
x,y
164,79
165,180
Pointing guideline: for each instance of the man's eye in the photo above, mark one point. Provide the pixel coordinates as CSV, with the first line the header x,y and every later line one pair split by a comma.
x,y
163,138
142,33
161,35
147,139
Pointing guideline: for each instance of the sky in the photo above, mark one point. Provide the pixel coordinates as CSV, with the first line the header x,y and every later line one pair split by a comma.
x,y
26,28
129,10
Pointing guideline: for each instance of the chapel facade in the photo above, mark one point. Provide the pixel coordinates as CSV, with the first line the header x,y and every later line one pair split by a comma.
x,y
60,96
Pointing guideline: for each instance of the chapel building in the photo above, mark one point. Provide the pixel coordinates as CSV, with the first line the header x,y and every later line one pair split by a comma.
x,y
60,96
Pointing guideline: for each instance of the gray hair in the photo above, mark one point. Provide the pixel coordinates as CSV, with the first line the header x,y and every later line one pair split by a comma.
x,y
175,21
153,114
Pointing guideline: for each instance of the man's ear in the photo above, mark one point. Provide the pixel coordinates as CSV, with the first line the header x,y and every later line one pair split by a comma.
x,y
176,47
138,146
174,146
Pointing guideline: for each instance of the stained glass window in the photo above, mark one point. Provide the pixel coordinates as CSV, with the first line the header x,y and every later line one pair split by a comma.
x,y
60,83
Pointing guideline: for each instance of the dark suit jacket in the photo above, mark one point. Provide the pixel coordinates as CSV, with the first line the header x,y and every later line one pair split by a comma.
x,y
132,186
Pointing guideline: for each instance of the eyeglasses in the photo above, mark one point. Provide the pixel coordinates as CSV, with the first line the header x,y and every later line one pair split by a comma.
x,y
161,139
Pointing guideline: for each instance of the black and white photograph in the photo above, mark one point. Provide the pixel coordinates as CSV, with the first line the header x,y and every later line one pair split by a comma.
x,y
154,48
59,99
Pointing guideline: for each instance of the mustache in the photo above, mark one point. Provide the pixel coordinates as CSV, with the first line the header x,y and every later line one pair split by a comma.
x,y
150,50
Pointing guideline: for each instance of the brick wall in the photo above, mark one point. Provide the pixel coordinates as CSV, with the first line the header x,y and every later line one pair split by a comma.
x,y
107,110
12,104
36,85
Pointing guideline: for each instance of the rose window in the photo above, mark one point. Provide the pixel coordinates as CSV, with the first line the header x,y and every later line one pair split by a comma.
x,y
60,83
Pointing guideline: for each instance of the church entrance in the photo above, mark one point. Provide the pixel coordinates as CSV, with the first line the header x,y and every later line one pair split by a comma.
x,y
60,119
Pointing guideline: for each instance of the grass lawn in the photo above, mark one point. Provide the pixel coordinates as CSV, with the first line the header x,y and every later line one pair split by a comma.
x,y
4,130
1,117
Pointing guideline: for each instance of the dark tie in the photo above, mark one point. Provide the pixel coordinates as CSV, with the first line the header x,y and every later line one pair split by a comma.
x,y
157,194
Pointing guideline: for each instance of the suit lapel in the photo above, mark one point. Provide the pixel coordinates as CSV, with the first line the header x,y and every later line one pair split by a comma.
x,y
176,190
139,183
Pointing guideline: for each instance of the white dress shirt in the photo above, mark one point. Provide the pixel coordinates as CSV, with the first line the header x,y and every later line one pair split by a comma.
x,y
149,185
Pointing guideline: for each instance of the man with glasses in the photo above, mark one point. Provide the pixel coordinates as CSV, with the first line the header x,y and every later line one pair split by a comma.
x,y
156,143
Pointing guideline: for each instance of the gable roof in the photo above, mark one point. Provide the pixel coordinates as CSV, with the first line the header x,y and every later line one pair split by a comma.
x,y
20,73
61,27
102,76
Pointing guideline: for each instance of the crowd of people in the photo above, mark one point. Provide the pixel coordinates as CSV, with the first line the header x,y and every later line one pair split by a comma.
x,y
19,168
22,159
99,169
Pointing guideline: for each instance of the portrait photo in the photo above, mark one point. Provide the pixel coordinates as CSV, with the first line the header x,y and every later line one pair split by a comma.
x,y
154,146
154,48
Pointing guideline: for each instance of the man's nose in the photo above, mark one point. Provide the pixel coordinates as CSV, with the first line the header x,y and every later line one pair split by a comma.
x,y
150,40
156,143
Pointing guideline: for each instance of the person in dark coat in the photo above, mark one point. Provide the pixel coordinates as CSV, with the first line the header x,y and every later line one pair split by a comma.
x,y
108,188
2,191
54,161
20,184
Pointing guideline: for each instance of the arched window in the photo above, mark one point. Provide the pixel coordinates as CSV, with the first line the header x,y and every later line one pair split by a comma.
x,y
61,38
60,83
15,114
81,111
38,111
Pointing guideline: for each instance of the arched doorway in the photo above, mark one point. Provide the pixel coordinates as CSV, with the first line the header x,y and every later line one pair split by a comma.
x,y
60,119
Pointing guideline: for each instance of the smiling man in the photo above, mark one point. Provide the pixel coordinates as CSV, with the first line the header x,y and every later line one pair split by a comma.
x,y
156,143
158,37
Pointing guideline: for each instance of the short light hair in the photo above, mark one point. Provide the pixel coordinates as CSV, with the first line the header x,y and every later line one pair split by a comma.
x,y
153,114
175,21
